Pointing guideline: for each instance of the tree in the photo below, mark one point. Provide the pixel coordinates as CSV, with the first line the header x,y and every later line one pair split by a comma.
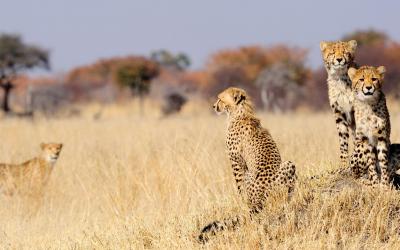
x,y
367,37
16,57
227,76
110,73
242,66
136,75
166,59
173,103
253,59
281,85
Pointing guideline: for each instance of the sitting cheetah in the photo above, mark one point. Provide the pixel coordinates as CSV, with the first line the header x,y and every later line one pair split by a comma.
x,y
372,138
338,58
255,159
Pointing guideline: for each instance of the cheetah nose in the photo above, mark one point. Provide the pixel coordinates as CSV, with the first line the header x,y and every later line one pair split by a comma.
x,y
368,87
339,60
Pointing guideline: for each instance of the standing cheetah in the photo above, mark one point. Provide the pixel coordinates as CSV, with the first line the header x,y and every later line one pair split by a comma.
x,y
372,138
254,156
338,58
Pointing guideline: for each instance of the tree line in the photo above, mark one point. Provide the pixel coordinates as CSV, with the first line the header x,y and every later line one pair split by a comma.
x,y
276,76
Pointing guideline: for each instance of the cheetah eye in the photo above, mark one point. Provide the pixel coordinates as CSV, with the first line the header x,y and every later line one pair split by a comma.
x,y
374,79
361,79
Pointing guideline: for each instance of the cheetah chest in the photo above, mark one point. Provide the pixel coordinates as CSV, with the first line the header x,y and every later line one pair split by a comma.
x,y
369,125
341,94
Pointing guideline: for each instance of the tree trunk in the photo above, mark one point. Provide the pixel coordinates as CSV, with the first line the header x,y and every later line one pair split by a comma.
x,y
139,94
29,99
141,103
7,86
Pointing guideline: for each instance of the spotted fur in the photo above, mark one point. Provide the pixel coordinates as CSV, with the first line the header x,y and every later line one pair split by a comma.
x,y
394,159
32,174
254,156
338,58
372,139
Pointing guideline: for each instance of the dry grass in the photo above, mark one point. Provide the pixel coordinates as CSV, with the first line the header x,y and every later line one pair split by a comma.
x,y
125,182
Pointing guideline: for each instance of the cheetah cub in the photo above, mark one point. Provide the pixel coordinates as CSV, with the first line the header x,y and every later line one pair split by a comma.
x,y
32,174
372,138
338,58
254,156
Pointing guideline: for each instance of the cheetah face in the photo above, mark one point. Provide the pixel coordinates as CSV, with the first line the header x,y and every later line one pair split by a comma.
x,y
219,107
229,99
366,82
339,55
51,151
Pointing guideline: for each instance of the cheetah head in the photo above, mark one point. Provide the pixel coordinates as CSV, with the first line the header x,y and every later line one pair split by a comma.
x,y
338,56
51,151
230,100
367,81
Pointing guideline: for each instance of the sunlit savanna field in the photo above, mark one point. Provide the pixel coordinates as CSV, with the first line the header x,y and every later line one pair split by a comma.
x,y
126,181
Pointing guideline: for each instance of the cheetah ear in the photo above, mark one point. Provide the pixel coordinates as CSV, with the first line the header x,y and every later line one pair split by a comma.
x,y
381,71
42,145
323,45
238,97
352,45
351,72
60,145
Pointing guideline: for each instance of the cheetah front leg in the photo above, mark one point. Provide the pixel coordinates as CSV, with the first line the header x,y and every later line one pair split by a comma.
x,y
370,155
358,162
363,161
342,127
239,168
382,153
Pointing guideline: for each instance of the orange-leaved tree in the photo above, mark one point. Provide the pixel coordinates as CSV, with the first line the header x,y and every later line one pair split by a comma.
x,y
242,66
134,72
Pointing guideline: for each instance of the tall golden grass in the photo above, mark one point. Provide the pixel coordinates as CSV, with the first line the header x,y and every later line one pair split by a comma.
x,y
130,182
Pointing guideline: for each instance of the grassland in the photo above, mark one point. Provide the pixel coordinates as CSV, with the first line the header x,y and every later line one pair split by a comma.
x,y
130,182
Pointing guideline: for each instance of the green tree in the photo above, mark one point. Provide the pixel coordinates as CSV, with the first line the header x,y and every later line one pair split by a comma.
x,y
136,75
16,57
166,59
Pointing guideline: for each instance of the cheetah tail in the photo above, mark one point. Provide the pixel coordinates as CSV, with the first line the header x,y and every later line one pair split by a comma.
x,y
211,229
337,172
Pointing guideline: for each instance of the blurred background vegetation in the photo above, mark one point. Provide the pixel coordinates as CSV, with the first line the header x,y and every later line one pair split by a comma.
x,y
276,76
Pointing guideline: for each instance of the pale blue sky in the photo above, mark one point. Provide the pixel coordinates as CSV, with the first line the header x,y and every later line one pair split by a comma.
x,y
80,31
